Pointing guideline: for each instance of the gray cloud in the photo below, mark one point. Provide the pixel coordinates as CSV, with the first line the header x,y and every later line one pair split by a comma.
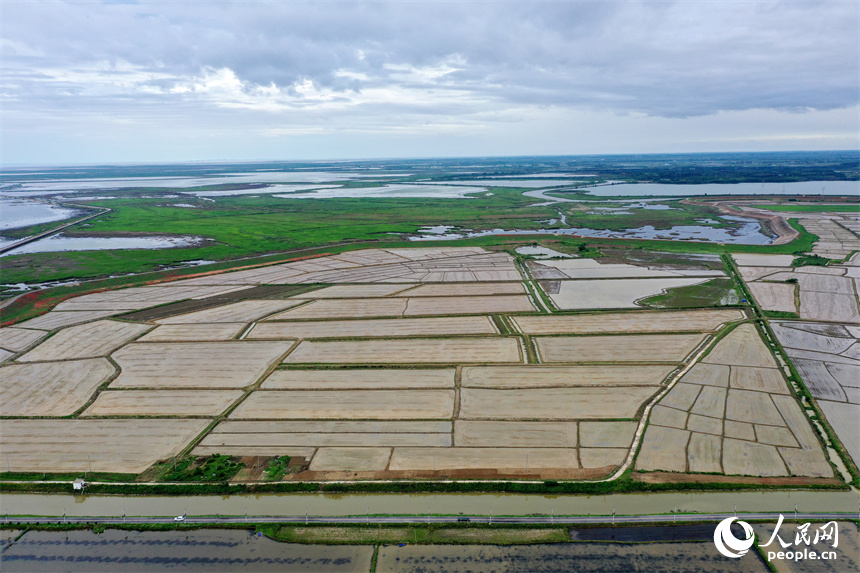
x,y
356,66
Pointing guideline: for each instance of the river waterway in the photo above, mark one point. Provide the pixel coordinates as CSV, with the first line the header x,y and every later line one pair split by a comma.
x,y
296,504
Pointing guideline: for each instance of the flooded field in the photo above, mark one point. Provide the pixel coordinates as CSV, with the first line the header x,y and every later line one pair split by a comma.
x,y
581,557
199,550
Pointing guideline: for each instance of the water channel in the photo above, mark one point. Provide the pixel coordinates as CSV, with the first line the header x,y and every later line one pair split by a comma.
x,y
319,504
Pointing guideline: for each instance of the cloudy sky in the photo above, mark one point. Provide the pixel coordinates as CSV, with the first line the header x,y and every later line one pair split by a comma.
x,y
214,80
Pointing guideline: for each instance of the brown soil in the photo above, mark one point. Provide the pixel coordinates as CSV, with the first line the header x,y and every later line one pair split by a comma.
x,y
670,477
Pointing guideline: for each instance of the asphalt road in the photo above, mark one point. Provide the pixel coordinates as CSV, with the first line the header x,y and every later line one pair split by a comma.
x,y
482,519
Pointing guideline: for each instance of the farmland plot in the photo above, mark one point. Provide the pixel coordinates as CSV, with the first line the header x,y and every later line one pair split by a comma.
x,y
359,379
232,364
550,376
162,403
86,341
242,311
50,388
17,339
626,322
407,351
733,414
618,293
553,403
123,446
825,357
347,404
436,326
622,348
193,332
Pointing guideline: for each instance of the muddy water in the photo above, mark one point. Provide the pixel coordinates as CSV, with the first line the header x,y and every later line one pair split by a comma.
x,y
417,504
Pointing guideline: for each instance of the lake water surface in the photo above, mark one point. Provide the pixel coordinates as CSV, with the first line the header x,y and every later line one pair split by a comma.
x,y
662,189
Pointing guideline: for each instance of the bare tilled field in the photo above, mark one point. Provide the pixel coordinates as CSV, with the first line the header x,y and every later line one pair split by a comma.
x,y
85,341
553,403
622,348
366,379
468,305
50,388
412,306
345,308
408,351
483,458
285,437
193,332
623,322
354,459
733,414
372,328
60,319
774,296
550,376
347,404
825,293
485,410
162,403
465,289
471,433
17,339
195,364
124,446
742,347
357,291
243,311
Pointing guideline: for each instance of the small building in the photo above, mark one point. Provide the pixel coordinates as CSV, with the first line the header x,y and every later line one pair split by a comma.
x,y
78,485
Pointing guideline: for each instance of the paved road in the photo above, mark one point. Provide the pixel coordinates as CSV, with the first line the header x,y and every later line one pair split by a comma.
x,y
53,231
375,519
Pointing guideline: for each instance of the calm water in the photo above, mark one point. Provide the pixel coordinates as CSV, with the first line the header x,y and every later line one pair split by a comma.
x,y
416,504
749,233
800,188
56,243
15,214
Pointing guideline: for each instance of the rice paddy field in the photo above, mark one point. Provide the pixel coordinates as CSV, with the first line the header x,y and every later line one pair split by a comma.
x,y
425,363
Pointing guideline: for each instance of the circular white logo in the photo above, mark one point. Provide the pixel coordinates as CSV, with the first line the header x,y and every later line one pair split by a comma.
x,y
727,543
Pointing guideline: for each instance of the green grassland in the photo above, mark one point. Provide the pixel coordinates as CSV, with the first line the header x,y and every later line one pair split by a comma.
x,y
243,226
